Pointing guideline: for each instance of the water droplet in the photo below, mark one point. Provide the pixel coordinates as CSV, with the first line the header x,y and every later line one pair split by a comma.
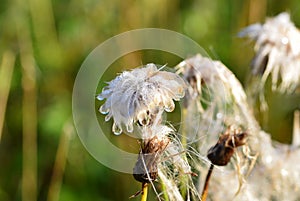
x,y
100,97
107,117
219,115
105,88
285,40
180,93
116,129
142,116
129,127
103,109
169,106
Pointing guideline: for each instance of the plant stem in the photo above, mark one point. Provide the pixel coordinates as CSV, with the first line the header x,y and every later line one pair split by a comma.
x,y
6,72
183,177
205,188
29,104
296,129
144,192
60,162
183,138
164,188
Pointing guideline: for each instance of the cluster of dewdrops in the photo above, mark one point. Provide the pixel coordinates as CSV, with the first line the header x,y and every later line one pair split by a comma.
x,y
138,95
136,100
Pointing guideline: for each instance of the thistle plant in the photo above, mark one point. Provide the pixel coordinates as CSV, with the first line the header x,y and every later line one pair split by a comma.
x,y
221,153
218,129
224,105
277,54
216,103
136,101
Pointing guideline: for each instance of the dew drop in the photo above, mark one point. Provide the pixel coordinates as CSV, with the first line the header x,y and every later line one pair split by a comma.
x,y
143,122
169,106
103,109
285,40
100,97
142,116
116,129
219,115
105,88
180,93
107,117
129,127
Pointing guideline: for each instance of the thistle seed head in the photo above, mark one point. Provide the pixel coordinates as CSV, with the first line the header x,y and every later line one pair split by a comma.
x,y
139,96
145,169
277,47
221,153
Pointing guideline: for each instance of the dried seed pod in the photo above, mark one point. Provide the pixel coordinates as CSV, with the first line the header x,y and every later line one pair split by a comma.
x,y
221,152
145,169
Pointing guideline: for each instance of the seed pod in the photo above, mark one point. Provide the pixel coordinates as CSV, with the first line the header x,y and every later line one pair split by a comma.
x,y
221,153
145,169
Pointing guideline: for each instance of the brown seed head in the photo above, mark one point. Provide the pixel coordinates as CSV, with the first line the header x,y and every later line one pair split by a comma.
x,y
145,169
221,153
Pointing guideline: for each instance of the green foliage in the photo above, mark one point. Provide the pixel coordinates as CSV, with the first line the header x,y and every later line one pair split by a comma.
x,y
62,33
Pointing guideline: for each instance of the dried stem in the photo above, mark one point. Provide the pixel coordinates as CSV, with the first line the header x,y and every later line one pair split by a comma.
x,y
60,162
205,188
29,180
6,71
29,105
296,128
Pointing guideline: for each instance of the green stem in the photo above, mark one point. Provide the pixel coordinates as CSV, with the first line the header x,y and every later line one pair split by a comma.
x,y
166,198
183,177
183,138
6,72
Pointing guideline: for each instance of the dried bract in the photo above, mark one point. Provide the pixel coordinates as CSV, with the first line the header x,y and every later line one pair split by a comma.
x,y
222,98
221,153
224,103
145,169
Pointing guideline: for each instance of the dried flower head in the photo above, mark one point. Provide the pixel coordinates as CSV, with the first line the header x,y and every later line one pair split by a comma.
x,y
277,47
202,72
222,97
145,169
224,103
162,155
139,95
197,71
221,153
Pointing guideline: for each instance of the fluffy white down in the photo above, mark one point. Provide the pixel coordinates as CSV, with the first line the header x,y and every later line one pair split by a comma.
x,y
135,94
277,42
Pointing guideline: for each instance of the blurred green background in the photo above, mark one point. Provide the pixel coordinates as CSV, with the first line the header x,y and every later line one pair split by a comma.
x,y
42,46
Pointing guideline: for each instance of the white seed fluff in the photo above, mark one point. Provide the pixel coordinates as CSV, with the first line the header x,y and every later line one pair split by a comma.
x,y
138,95
277,47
